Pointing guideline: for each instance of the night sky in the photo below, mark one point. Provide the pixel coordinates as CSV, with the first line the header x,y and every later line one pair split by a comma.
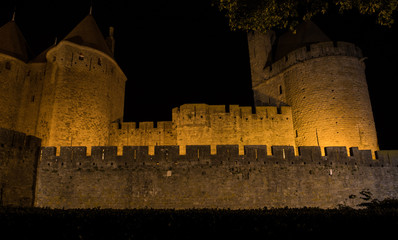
x,y
182,51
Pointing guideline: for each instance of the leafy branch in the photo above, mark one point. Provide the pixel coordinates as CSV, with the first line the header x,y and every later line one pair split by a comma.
x,y
263,15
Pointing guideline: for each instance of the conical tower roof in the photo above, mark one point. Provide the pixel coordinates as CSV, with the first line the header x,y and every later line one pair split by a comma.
x,y
12,42
87,33
306,33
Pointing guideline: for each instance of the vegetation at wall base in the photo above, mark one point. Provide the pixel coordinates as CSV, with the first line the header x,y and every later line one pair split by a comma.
x,y
378,219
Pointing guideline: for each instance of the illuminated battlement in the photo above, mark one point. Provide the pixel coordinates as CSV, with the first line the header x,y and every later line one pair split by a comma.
x,y
203,113
202,124
133,156
312,51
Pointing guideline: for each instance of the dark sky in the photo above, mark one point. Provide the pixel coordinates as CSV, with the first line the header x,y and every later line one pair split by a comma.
x,y
182,51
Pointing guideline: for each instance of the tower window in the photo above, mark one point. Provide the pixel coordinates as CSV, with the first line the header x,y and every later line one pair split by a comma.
x,y
8,65
280,89
81,56
296,133
32,99
99,62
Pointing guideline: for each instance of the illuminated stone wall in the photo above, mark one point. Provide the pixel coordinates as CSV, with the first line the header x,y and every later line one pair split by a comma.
x,y
12,76
83,94
31,95
202,180
19,156
202,124
145,134
325,85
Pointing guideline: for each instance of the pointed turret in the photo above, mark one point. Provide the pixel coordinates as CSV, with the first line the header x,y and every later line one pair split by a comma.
x,y
306,33
87,33
12,41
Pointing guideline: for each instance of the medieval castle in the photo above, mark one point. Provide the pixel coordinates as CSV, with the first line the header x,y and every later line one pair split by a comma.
x,y
310,141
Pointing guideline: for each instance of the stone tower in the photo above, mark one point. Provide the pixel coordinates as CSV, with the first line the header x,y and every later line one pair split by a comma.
x,y
325,84
13,58
83,90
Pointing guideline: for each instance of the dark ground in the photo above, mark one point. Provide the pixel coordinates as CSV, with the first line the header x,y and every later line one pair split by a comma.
x,y
311,223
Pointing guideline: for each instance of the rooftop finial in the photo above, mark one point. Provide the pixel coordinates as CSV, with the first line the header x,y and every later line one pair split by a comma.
x,y
91,8
56,41
13,17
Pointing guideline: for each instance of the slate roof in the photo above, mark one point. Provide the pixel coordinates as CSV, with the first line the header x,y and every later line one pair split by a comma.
x,y
306,33
87,33
12,42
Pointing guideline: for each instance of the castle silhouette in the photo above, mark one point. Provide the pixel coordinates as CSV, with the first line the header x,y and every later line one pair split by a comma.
x,y
64,142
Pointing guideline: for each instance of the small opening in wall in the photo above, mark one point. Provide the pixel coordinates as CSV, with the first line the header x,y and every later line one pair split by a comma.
x,y
8,65
99,62
81,56
280,89
296,133
32,99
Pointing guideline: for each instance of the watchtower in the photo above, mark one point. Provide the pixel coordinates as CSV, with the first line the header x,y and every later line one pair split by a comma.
x,y
325,84
83,91
13,58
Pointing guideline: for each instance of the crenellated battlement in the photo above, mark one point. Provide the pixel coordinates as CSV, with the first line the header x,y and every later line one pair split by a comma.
x,y
312,51
255,155
201,113
145,126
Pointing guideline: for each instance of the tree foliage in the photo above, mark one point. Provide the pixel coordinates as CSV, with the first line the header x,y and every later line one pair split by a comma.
x,y
263,15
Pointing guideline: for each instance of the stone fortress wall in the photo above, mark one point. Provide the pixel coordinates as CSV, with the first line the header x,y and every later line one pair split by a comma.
x,y
12,76
84,118
202,124
325,85
19,156
200,179
72,97
196,179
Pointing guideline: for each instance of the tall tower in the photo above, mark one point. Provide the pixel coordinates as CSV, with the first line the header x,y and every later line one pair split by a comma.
x,y
325,84
13,57
83,91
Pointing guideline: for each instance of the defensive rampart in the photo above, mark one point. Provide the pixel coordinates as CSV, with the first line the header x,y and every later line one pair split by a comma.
x,y
19,155
200,179
202,124
315,50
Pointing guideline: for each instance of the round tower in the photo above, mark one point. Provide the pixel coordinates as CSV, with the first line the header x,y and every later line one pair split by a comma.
x,y
83,91
13,58
325,84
